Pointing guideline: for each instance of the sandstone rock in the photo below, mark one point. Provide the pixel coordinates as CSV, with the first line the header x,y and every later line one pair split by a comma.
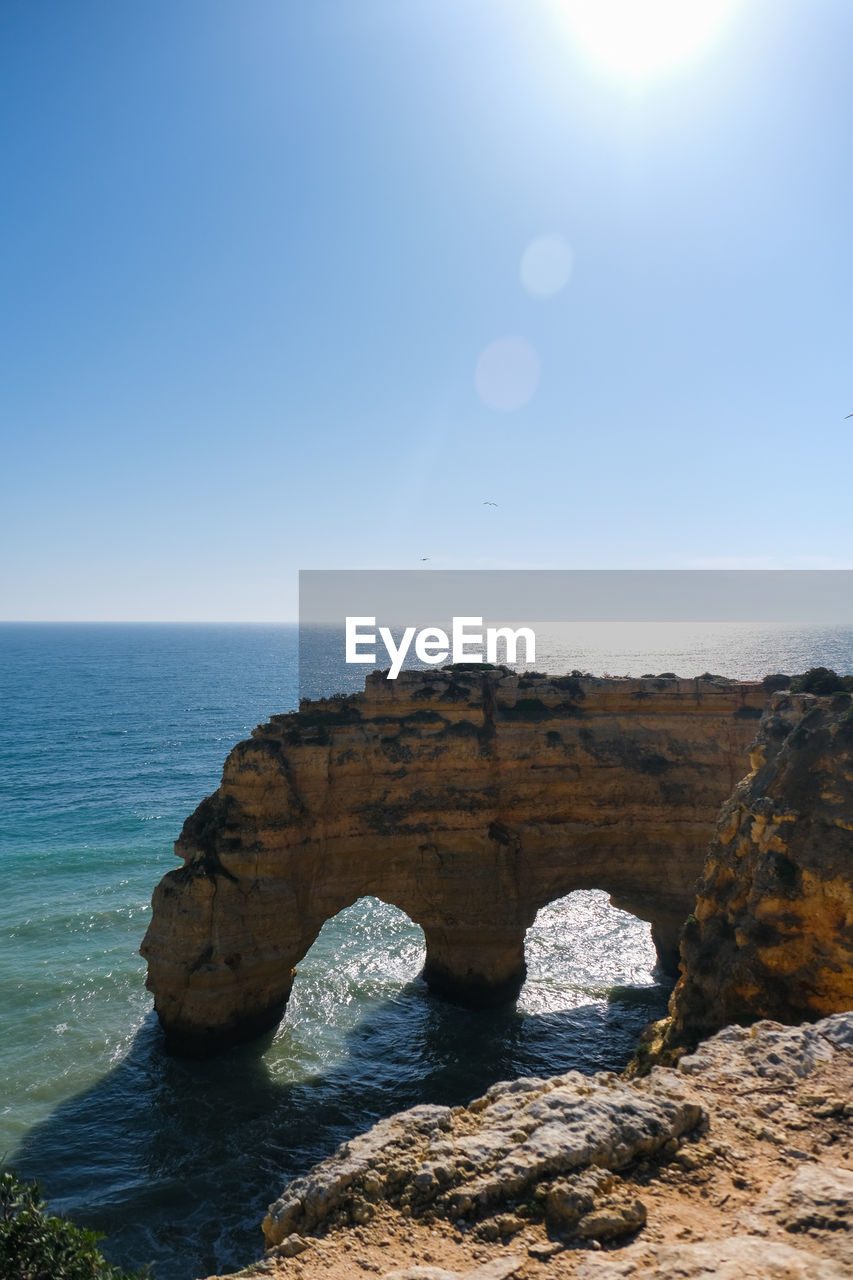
x,y
611,1219
291,1246
733,1258
772,931
815,1200
497,1269
422,1273
508,1224
542,1250
469,799
767,1050
389,1153
570,1198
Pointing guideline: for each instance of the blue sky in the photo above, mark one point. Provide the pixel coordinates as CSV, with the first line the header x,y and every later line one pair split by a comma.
x,y
253,254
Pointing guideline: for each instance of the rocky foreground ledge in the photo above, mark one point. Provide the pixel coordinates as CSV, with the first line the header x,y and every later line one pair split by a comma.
x,y
735,1164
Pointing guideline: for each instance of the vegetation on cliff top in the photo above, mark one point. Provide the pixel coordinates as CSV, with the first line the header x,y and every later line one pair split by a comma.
x,y
822,681
818,680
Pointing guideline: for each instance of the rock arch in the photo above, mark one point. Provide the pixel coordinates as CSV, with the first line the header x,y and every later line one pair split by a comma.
x,y
467,798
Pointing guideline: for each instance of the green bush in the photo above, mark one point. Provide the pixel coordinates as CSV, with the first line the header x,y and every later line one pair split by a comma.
x,y
36,1246
776,681
820,680
569,684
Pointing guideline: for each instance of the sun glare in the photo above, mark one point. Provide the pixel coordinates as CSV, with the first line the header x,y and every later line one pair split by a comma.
x,y
637,38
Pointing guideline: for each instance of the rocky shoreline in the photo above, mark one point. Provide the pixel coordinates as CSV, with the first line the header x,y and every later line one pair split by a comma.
x,y
735,1163
730,1160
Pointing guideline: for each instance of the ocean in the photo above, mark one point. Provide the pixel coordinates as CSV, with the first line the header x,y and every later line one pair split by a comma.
x,y
110,736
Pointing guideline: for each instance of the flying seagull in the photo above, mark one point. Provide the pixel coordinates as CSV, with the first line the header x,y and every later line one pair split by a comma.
x,y
848,415
494,504
425,557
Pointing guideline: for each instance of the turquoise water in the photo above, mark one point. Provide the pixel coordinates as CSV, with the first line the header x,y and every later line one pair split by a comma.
x,y
110,735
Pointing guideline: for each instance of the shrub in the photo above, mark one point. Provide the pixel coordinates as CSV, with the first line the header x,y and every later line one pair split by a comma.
x,y
776,681
36,1246
820,680
569,684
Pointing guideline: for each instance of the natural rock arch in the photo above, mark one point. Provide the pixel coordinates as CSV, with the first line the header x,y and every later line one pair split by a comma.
x,y
469,799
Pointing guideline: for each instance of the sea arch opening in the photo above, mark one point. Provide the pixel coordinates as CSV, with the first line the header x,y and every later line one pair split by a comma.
x,y
366,954
580,948
358,1008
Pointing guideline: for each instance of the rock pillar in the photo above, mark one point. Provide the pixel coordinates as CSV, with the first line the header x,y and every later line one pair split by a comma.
x,y
475,967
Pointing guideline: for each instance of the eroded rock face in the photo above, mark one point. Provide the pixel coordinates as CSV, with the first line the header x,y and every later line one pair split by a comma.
x,y
772,931
469,799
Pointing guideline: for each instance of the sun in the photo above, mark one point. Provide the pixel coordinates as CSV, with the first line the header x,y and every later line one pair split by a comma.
x,y
638,38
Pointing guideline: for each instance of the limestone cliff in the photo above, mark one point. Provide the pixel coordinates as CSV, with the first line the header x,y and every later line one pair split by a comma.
x,y
771,935
467,797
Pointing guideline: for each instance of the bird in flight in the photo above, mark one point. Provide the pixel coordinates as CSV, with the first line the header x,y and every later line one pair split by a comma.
x,y
425,557
848,415
494,504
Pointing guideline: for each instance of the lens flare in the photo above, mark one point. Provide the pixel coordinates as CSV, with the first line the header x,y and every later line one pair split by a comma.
x,y
636,38
507,374
546,266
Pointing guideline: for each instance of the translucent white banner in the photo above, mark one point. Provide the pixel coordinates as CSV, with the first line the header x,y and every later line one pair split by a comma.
x,y
741,624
